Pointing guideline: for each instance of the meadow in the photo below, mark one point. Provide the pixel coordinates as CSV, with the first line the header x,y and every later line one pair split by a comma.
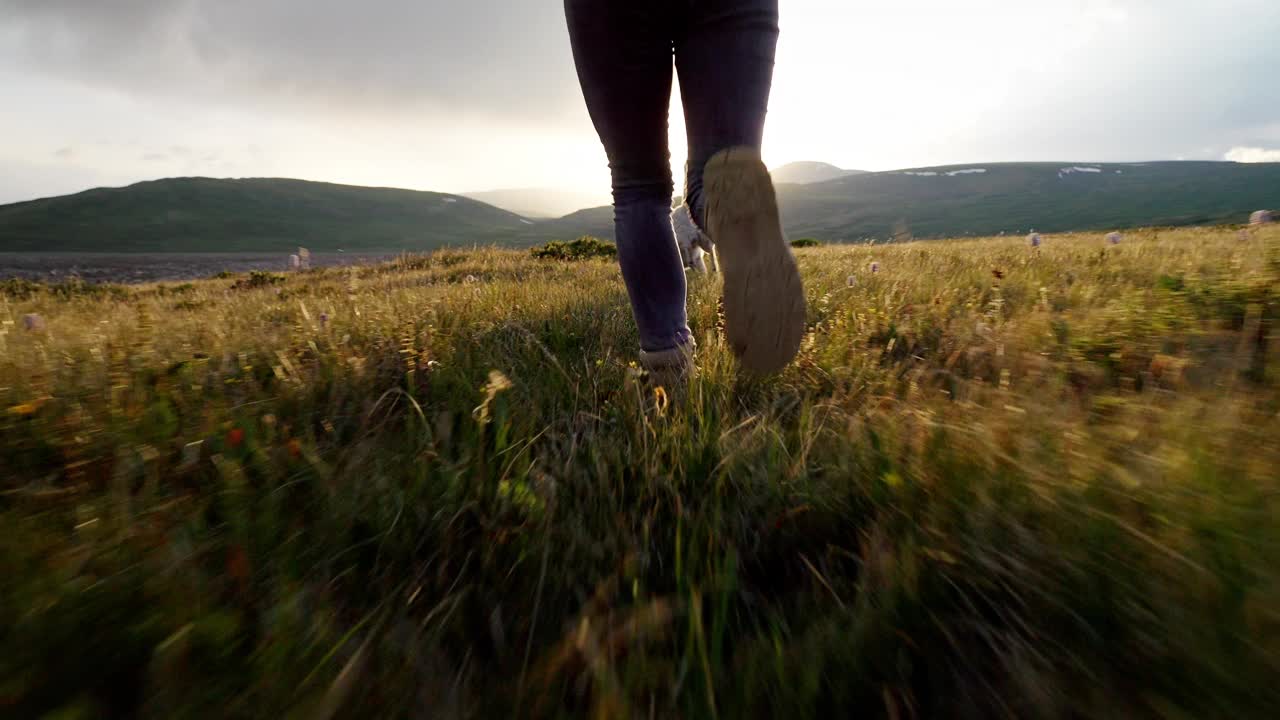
x,y
998,482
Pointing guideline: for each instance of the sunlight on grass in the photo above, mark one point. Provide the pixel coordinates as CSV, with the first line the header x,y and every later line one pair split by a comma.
x,y
999,481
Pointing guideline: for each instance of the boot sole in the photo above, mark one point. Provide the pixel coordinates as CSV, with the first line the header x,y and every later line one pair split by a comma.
x,y
764,304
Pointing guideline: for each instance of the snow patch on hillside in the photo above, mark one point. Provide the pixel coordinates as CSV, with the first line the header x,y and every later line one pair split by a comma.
x,y
1077,169
952,173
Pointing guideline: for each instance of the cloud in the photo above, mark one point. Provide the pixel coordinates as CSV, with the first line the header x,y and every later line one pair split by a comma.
x,y
488,57
447,95
1252,155
65,153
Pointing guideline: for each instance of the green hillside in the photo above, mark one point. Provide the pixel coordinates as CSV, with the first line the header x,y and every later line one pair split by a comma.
x,y
1017,197
1006,197
258,215
206,215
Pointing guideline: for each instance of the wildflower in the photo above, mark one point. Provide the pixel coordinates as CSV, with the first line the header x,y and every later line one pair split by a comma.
x,y
997,274
875,267
660,399
498,383
1114,238
851,281
324,320
235,437
24,409
1034,239
33,323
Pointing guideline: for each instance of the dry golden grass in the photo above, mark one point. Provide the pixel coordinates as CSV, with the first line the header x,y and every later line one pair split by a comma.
x,y
998,481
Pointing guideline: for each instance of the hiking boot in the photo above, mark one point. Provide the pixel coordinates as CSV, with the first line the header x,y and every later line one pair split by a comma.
x,y
764,305
669,368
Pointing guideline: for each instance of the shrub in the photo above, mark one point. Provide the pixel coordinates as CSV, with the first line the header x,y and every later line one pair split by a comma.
x,y
20,289
77,288
583,248
805,242
259,279
168,290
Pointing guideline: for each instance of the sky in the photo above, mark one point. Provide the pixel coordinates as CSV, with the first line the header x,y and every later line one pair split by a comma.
x,y
464,96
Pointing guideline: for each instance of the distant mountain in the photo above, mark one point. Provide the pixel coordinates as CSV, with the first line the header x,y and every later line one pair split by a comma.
x,y
258,215
806,173
987,199
204,215
539,202
597,221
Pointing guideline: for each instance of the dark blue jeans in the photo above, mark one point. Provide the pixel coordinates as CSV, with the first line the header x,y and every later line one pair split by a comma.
x,y
723,51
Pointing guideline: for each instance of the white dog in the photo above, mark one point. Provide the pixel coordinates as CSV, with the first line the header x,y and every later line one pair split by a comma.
x,y
694,244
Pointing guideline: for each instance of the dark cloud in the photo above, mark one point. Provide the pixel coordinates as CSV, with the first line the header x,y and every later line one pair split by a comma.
x,y
493,57
1152,79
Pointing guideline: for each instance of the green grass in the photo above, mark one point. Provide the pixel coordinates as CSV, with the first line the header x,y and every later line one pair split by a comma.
x,y
440,488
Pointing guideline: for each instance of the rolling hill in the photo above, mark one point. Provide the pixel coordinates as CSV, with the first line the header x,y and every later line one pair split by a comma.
x,y
252,215
1017,197
535,203
206,215
989,199
807,173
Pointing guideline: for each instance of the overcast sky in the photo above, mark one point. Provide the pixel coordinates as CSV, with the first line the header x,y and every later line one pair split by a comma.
x,y
476,94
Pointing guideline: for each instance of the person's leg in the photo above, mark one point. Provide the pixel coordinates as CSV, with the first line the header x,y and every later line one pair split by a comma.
x,y
623,52
724,55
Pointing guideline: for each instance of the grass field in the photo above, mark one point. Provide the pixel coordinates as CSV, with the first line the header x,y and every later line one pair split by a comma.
x,y
999,482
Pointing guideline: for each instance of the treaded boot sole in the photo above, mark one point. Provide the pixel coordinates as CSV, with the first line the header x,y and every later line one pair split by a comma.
x,y
764,305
